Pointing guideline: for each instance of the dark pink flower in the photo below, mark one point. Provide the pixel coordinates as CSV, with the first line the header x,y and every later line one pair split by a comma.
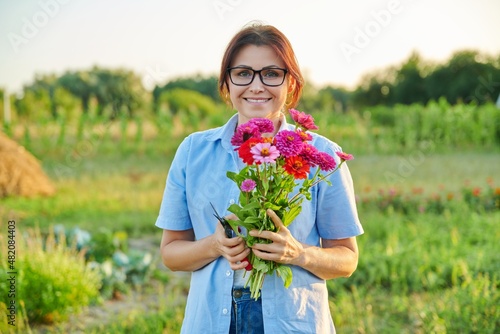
x,y
248,185
244,132
303,120
325,161
304,135
345,156
288,143
309,153
263,124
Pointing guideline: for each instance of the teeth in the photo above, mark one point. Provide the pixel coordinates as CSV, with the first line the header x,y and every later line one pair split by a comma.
x,y
257,100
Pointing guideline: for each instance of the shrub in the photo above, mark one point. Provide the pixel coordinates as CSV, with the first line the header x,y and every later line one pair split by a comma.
x,y
52,280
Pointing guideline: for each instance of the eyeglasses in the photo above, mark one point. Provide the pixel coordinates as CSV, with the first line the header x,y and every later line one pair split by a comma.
x,y
243,76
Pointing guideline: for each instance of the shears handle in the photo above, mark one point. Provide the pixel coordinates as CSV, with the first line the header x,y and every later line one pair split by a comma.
x,y
227,228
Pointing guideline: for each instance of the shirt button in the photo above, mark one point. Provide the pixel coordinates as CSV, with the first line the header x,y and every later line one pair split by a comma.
x,y
228,273
231,201
224,311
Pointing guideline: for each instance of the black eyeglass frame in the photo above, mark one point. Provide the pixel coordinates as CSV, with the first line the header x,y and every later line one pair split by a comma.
x,y
228,71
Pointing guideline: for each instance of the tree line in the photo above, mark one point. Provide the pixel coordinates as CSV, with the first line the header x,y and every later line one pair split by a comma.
x,y
468,76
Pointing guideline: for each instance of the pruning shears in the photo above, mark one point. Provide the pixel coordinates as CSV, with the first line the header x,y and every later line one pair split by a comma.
x,y
229,233
227,228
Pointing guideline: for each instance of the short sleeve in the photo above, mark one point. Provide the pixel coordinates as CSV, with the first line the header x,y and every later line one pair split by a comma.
x,y
337,215
174,213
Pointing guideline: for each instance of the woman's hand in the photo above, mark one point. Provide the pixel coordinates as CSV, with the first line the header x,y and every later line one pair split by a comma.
x,y
233,249
284,247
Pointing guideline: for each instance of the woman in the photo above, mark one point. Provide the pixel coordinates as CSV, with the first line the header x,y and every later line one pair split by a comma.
x,y
260,77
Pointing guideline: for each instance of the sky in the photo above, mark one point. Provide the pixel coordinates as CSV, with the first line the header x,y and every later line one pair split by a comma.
x,y
336,42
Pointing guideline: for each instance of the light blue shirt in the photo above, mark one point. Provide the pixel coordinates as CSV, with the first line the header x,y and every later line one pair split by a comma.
x,y
197,177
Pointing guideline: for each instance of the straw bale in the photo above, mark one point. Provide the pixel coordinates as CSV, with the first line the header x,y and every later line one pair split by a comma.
x,y
20,172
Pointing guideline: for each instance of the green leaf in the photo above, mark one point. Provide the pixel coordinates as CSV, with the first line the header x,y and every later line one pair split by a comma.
x,y
234,225
251,206
234,208
260,265
286,275
274,207
290,215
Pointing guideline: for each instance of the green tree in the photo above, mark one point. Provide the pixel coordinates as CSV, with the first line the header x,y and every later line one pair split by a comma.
x,y
78,84
117,90
191,102
467,77
206,85
408,86
375,88
43,89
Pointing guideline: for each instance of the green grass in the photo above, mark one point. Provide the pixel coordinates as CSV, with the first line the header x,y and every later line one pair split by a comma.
x,y
431,171
426,274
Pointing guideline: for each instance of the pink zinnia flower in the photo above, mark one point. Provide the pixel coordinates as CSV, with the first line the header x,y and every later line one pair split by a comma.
x,y
263,124
288,143
325,161
264,152
248,185
244,132
345,156
304,120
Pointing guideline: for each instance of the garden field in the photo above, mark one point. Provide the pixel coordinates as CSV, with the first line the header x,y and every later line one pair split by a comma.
x,y
428,197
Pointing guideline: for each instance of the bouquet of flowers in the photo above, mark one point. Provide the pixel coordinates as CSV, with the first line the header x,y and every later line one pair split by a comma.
x,y
275,166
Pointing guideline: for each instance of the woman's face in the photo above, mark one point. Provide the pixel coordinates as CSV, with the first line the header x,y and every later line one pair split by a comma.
x,y
257,99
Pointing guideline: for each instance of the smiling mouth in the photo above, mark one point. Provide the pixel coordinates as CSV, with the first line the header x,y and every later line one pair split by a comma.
x,y
257,100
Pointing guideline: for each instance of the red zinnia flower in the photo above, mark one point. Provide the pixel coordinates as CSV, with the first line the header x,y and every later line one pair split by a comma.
x,y
296,166
244,150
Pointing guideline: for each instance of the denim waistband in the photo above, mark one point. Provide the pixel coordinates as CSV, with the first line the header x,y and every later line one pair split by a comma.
x,y
241,294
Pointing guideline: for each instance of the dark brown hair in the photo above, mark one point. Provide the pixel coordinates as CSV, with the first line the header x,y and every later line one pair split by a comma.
x,y
259,34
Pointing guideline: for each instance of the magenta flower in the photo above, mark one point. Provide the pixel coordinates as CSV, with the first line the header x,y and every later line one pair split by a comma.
x,y
325,161
345,156
244,132
289,143
309,153
303,120
263,124
304,135
248,185
264,152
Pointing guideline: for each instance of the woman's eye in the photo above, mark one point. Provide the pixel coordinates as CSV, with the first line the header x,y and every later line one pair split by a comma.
x,y
271,74
244,73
